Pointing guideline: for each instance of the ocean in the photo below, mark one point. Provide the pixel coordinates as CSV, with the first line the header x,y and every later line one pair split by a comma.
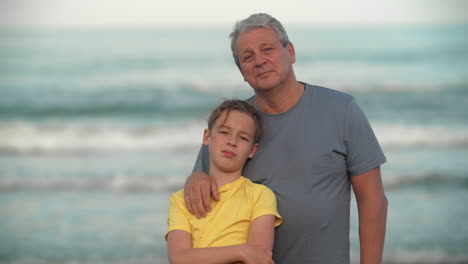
x,y
99,125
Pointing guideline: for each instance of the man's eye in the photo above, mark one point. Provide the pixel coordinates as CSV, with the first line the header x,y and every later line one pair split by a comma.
x,y
268,49
247,58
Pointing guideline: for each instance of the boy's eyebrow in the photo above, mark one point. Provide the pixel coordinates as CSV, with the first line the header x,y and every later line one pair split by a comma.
x,y
242,131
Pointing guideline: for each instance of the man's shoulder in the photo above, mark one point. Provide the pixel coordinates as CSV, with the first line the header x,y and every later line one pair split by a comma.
x,y
324,93
250,100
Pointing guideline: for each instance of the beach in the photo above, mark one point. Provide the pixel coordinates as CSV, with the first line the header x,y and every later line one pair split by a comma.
x,y
98,126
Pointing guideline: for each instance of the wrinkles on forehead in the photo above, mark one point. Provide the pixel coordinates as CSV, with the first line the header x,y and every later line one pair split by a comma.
x,y
254,42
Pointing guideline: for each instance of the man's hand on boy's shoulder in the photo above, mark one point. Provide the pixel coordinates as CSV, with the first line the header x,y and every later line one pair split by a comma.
x,y
198,190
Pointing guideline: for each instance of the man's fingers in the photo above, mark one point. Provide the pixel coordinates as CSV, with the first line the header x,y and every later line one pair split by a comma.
x,y
187,202
191,200
214,190
195,200
205,200
198,190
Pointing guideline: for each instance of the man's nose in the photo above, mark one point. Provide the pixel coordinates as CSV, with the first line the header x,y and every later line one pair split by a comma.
x,y
259,60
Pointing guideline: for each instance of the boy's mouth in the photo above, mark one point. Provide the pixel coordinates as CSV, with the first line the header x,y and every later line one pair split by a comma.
x,y
228,154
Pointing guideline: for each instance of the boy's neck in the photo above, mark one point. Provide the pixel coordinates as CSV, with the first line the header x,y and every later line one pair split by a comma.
x,y
222,178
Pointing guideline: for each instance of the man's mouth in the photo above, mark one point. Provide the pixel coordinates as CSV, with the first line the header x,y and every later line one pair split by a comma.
x,y
263,74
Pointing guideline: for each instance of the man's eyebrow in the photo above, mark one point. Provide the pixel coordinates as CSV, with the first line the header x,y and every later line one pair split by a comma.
x,y
263,44
246,50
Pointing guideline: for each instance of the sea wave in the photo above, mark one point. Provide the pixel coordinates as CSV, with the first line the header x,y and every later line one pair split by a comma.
x,y
62,137
418,257
427,257
396,181
24,137
402,135
121,183
130,183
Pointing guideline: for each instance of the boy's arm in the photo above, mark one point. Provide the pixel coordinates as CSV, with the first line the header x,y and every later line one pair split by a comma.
x,y
179,247
262,231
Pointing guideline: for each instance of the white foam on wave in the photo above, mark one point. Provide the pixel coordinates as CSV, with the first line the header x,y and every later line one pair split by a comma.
x,y
134,183
208,79
365,76
119,182
23,137
402,135
392,180
423,256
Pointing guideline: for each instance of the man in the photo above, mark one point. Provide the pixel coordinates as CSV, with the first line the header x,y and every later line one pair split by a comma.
x,y
317,143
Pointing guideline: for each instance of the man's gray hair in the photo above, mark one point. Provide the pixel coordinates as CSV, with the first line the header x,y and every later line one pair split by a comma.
x,y
255,21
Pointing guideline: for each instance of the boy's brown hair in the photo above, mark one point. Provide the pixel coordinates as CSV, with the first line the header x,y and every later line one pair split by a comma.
x,y
238,105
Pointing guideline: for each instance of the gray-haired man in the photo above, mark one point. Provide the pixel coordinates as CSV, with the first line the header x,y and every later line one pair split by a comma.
x,y
317,144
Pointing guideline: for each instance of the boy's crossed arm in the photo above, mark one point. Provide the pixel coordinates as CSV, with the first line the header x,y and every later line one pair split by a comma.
x,y
256,251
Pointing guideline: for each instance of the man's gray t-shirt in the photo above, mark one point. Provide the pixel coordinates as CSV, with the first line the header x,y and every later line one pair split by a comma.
x,y
307,156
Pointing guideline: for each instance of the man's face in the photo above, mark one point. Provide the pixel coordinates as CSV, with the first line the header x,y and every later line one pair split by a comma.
x,y
231,141
264,62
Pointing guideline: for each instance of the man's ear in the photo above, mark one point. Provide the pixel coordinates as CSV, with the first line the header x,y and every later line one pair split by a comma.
x,y
206,137
292,52
254,150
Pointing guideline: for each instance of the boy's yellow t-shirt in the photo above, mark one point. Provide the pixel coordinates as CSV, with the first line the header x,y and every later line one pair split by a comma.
x,y
228,222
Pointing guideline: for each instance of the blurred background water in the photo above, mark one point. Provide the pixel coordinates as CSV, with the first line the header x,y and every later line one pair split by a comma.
x,y
99,125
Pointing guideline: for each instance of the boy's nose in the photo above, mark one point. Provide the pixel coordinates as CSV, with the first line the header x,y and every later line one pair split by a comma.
x,y
232,141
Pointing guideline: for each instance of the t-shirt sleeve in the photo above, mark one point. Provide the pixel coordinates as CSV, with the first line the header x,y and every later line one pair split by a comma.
x,y
203,160
363,150
265,204
178,216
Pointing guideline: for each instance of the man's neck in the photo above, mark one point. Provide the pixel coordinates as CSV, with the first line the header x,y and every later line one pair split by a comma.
x,y
280,99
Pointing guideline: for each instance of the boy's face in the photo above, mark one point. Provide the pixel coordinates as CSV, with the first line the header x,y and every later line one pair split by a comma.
x,y
231,141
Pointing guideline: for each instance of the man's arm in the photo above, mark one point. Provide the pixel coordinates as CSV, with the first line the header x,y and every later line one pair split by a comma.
x,y
179,247
372,208
198,190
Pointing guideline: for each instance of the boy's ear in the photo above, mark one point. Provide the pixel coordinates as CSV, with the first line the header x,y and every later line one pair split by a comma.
x,y
254,150
206,136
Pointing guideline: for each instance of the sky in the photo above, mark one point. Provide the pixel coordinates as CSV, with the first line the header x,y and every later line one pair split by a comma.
x,y
221,12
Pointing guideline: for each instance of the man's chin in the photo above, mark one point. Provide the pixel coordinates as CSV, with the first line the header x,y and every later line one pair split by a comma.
x,y
263,88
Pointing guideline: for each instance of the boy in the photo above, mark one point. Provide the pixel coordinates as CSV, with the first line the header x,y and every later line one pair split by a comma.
x,y
240,227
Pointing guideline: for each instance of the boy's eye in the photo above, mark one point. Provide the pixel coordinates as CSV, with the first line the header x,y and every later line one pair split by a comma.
x,y
223,132
244,138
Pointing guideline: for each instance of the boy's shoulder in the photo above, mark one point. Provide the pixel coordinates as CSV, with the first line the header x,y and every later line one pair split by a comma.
x,y
178,196
257,187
